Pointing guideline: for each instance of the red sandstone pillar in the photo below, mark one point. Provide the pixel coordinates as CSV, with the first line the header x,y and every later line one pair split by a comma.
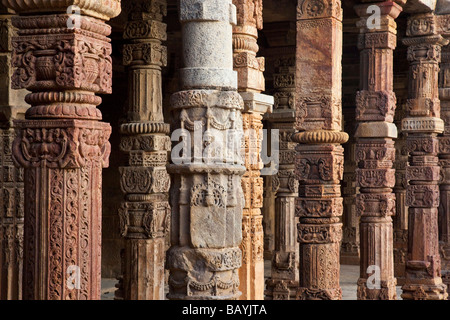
x,y
444,153
62,144
250,85
145,213
319,159
12,106
423,124
283,282
375,152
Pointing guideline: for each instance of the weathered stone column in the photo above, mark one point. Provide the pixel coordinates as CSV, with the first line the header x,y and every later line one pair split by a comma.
x,y
250,85
350,82
145,214
319,159
444,153
422,124
206,193
283,282
12,106
62,144
400,220
375,151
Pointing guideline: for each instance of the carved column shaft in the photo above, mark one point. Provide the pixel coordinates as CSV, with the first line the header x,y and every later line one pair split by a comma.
x,y
283,283
12,106
250,85
62,144
444,154
423,123
207,165
319,159
400,220
375,152
350,221
145,214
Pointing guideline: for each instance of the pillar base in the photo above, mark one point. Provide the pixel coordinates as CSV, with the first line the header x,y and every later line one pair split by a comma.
x,y
386,291
215,276
436,291
319,294
278,289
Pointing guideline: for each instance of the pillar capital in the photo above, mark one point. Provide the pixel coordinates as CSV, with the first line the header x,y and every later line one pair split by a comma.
x,y
101,9
318,9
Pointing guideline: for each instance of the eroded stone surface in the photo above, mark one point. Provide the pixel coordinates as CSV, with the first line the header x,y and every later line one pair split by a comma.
x,y
423,276
206,195
375,152
145,213
250,69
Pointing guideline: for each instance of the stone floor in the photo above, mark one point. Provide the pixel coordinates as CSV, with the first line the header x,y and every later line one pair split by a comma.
x,y
349,276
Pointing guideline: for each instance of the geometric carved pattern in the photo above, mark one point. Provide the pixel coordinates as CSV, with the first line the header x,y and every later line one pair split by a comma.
x,y
319,160
145,213
423,276
61,144
375,152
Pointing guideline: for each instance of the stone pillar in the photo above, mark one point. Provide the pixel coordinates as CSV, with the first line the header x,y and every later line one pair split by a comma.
x,y
444,154
319,158
423,124
350,81
207,165
375,151
62,144
279,54
250,85
145,214
400,220
283,282
12,107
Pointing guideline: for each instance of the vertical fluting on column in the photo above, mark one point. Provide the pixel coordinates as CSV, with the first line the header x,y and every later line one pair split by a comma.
x,y
319,157
62,145
444,154
422,124
283,282
145,213
206,193
375,152
249,70
12,106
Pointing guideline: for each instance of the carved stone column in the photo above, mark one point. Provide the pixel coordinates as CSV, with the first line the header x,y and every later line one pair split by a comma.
x,y
62,144
400,220
12,106
206,193
422,124
350,81
319,159
250,85
444,154
145,214
279,54
283,283
375,151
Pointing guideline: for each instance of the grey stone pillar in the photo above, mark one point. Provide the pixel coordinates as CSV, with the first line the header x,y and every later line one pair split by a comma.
x,y
206,194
